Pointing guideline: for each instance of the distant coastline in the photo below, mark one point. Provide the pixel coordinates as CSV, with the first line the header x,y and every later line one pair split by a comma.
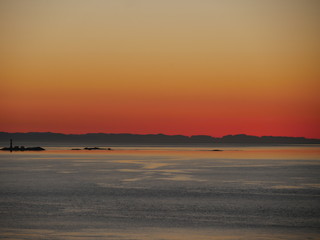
x,y
150,138
22,149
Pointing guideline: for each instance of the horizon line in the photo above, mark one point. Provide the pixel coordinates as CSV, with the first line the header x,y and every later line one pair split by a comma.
x,y
243,134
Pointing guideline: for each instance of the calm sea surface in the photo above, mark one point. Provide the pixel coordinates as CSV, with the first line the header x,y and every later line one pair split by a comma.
x,y
161,193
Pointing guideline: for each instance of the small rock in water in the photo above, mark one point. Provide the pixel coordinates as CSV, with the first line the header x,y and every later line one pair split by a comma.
x,y
94,148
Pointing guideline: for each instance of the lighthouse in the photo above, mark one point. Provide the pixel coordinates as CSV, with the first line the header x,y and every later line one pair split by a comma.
x,y
11,145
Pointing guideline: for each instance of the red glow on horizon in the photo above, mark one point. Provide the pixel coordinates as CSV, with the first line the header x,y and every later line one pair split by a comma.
x,y
79,68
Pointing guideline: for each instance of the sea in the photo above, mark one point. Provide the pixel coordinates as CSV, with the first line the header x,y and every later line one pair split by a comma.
x,y
189,192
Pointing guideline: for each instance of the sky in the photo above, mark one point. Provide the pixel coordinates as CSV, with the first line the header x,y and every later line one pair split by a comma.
x,y
190,67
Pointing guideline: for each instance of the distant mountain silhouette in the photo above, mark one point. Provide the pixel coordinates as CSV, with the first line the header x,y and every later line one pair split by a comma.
x,y
110,138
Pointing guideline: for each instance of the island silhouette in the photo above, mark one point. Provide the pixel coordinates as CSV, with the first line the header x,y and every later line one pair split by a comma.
x,y
12,148
126,138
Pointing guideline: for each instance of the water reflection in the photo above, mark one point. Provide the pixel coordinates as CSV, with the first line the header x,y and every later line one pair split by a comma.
x,y
156,193
154,233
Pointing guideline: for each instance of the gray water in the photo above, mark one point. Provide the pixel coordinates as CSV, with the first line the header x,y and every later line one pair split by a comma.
x,y
161,193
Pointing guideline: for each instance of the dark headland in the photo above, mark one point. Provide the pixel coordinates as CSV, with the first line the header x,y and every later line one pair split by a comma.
x,y
109,138
22,148
12,148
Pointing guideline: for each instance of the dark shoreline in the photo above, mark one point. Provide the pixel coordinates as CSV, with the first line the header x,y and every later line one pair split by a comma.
x,y
148,139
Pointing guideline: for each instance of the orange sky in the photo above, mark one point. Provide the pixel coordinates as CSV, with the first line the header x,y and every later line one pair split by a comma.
x,y
175,67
